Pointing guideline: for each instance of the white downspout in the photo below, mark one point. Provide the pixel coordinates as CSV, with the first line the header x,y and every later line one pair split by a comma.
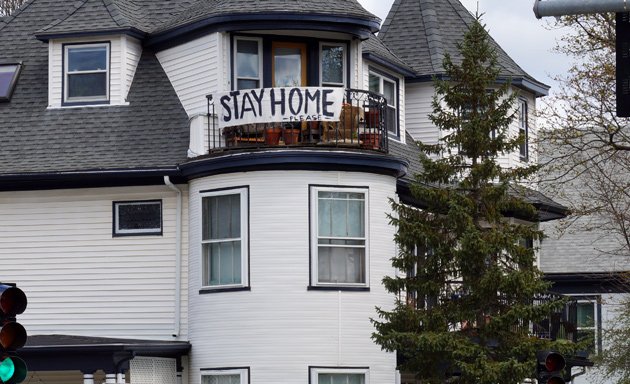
x,y
178,257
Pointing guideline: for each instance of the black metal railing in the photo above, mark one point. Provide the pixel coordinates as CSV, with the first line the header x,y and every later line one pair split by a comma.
x,y
361,125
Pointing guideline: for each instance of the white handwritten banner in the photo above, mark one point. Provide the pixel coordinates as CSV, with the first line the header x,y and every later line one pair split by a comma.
x,y
269,105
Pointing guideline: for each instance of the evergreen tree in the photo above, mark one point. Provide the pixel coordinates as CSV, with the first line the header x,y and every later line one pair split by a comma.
x,y
470,278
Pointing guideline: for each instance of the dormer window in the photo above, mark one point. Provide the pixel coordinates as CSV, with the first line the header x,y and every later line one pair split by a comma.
x,y
8,77
86,73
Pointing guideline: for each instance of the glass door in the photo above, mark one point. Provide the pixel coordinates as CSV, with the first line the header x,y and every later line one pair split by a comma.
x,y
288,65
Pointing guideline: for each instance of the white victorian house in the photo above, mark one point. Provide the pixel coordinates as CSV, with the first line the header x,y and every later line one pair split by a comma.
x,y
195,191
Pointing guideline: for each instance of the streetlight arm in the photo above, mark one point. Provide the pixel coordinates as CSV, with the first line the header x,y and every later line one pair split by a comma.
x,y
576,7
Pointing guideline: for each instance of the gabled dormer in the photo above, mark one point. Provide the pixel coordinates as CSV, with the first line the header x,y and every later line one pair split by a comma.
x,y
94,50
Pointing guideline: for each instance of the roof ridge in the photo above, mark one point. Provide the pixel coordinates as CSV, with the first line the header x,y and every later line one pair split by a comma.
x,y
115,14
75,7
432,33
388,20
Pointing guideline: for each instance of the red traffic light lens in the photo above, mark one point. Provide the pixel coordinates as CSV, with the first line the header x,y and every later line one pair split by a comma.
x,y
12,336
554,362
12,300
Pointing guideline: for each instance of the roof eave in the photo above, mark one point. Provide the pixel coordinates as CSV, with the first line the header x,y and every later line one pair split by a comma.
x,y
360,27
133,32
537,88
388,64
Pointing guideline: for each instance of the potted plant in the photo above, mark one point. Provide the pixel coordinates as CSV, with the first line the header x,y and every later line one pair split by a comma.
x,y
272,135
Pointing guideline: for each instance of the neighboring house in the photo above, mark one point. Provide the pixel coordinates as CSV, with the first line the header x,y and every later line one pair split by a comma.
x,y
161,236
584,261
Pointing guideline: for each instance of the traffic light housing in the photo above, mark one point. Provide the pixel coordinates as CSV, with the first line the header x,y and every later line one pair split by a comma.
x,y
13,336
549,367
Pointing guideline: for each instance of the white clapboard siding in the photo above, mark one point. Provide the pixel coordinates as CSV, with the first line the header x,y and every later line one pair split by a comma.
x,y
131,58
80,280
418,102
193,69
124,56
279,328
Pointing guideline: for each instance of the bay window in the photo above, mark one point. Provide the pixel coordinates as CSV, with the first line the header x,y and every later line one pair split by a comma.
x,y
248,62
224,238
323,375
333,64
339,237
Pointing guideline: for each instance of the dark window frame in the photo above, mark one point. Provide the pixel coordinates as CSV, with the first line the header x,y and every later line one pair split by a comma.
x,y
313,58
314,369
64,83
244,285
208,372
14,79
116,231
313,284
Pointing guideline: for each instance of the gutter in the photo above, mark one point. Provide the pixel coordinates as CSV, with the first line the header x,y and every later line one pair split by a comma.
x,y
178,258
578,7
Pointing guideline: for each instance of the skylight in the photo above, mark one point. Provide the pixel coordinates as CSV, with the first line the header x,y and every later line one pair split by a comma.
x,y
8,77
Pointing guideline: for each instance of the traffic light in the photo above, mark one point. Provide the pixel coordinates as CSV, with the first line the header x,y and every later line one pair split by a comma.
x,y
12,334
549,367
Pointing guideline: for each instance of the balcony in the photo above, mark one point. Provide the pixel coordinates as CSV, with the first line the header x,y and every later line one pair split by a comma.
x,y
360,123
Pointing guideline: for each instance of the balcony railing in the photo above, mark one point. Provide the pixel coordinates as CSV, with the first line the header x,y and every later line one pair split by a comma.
x,y
361,125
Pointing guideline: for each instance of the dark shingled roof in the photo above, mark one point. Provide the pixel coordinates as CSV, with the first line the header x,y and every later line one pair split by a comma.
x,y
205,9
420,32
110,15
152,132
376,47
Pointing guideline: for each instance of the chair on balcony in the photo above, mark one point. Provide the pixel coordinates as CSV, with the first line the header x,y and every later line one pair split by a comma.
x,y
346,130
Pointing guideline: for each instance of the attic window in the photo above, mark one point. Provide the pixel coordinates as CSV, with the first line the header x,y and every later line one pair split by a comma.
x,y
8,77
86,73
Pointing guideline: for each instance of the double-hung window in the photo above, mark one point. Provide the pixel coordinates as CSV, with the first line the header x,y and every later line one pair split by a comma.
x,y
225,376
224,238
387,87
523,129
587,325
339,375
339,237
333,64
248,62
86,73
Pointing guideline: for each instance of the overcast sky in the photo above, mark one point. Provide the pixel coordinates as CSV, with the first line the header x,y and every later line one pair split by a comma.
x,y
513,25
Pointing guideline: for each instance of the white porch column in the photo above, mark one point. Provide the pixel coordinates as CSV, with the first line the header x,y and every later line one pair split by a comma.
x,y
88,378
179,377
110,378
120,378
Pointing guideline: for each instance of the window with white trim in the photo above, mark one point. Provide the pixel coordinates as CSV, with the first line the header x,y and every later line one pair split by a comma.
x,y
224,238
339,237
523,129
387,87
332,64
86,73
225,376
587,325
339,375
248,62
137,218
